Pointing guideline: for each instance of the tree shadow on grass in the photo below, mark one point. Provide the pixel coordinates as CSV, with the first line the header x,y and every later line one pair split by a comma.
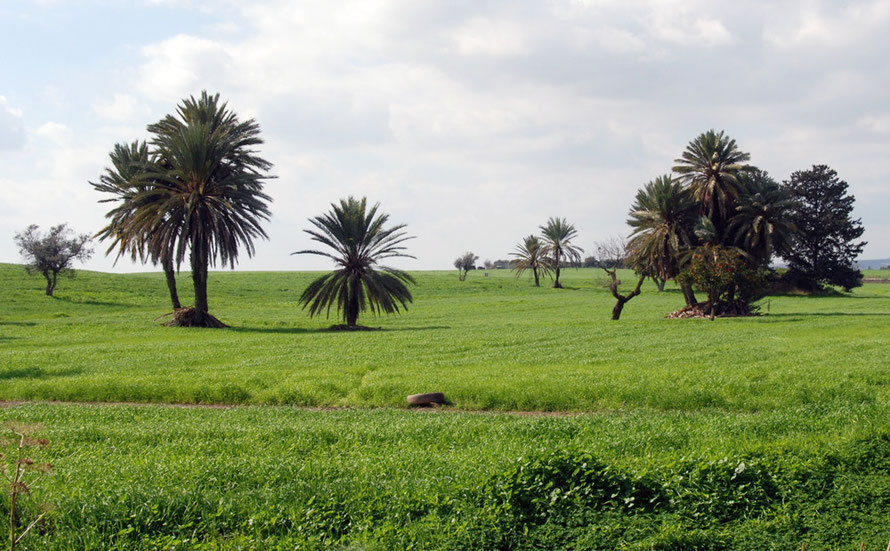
x,y
825,314
333,329
422,328
92,302
37,373
277,330
18,323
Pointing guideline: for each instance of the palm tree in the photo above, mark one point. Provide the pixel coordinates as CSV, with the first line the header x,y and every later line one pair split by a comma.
x,y
711,166
662,218
762,223
558,234
125,181
206,195
359,241
530,256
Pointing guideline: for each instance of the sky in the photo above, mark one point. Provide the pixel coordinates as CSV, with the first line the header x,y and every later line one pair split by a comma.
x,y
472,122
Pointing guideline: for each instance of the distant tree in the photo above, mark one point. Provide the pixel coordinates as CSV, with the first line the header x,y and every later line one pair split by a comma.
x,y
464,264
662,218
52,253
558,235
612,254
711,166
762,224
826,246
530,256
126,180
359,240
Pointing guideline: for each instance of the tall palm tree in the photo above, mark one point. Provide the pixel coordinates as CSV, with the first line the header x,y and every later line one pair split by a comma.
x,y
206,194
711,166
359,241
662,217
558,235
125,181
530,256
762,225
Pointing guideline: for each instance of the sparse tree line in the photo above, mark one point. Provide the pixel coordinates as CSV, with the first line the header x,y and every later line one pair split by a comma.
x,y
194,191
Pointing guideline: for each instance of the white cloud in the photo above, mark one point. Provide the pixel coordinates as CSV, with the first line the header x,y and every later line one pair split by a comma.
x,y
184,65
12,130
123,108
55,132
483,36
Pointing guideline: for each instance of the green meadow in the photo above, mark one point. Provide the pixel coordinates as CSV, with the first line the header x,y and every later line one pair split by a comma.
x,y
487,343
562,429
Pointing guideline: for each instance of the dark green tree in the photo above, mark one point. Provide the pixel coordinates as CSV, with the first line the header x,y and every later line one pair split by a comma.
x,y
711,166
762,224
530,256
358,240
826,246
662,218
558,235
206,193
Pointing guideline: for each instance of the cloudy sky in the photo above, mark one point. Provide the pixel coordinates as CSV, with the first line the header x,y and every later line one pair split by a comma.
x,y
470,121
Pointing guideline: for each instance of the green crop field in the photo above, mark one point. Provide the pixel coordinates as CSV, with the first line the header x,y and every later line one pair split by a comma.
x,y
754,433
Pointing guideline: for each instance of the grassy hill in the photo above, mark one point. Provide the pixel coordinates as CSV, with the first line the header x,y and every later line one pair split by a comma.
x,y
757,433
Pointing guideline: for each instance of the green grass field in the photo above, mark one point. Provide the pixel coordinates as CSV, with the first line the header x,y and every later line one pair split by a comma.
x,y
757,433
487,343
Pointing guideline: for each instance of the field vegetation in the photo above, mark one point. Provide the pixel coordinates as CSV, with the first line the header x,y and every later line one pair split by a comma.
x,y
487,343
745,433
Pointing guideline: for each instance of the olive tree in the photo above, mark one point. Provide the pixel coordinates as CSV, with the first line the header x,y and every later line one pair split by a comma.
x,y
52,253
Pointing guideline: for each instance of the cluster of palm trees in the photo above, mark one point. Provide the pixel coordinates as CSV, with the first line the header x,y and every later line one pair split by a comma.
x,y
196,189
547,254
716,202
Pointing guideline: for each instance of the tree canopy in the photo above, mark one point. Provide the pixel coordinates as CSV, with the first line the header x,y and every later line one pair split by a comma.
x,y
464,263
558,235
200,193
53,252
826,245
358,240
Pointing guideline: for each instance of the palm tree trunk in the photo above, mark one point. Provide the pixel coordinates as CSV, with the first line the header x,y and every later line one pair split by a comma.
x,y
556,284
688,294
535,271
199,280
167,263
352,304
659,283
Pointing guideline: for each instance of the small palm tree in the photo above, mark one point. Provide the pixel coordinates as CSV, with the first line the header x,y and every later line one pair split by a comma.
x,y
359,241
762,222
125,181
662,218
558,235
530,256
712,165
